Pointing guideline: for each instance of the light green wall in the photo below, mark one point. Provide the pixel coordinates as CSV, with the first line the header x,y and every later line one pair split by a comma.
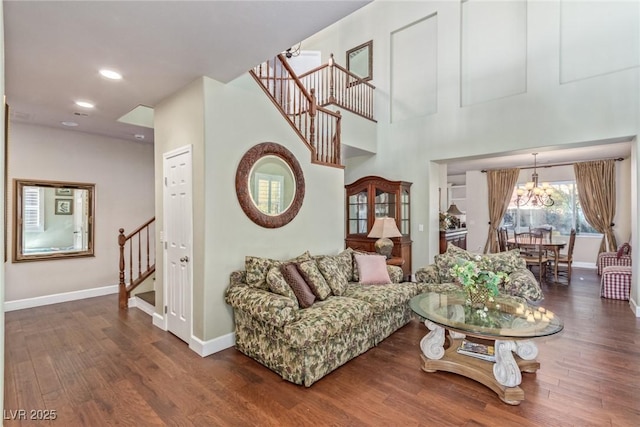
x,y
548,114
237,117
179,121
222,122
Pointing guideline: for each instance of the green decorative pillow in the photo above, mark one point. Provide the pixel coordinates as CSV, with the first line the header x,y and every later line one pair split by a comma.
x,y
258,267
507,262
345,262
395,273
314,278
278,285
333,270
457,251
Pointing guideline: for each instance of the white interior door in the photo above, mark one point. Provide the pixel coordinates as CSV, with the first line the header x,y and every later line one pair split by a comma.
x,y
178,238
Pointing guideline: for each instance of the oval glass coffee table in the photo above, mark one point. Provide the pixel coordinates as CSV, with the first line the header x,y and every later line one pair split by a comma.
x,y
507,325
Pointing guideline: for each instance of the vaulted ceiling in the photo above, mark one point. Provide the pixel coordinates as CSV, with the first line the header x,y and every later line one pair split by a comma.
x,y
54,50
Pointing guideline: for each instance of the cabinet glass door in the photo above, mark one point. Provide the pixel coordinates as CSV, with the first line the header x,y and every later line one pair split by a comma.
x,y
384,204
358,213
404,212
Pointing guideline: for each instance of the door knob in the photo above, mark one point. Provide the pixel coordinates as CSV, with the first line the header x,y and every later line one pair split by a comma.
x,y
184,259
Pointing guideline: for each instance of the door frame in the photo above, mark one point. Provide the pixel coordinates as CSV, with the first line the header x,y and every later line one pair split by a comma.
x,y
165,283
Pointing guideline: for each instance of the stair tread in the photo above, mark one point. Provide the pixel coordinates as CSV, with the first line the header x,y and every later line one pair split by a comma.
x,y
148,297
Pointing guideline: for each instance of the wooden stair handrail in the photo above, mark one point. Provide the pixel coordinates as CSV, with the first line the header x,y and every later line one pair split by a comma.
x,y
317,126
124,290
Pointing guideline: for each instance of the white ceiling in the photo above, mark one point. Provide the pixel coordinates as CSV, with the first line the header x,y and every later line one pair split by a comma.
x,y
54,49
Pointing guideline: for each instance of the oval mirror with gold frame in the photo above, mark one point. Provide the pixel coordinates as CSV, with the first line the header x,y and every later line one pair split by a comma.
x,y
52,220
270,185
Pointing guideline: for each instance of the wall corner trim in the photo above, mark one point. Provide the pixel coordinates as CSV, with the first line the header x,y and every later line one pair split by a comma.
x,y
206,348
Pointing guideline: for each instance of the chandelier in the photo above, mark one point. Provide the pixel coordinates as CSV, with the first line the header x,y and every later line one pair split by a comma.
x,y
293,51
534,194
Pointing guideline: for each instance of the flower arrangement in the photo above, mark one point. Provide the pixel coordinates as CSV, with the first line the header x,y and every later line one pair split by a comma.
x,y
448,221
478,279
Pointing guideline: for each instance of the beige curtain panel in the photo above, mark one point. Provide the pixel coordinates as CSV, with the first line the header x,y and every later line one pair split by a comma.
x,y
501,184
596,183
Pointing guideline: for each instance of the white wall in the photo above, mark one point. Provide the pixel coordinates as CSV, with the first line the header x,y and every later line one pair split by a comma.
x,y
223,234
122,172
2,209
601,105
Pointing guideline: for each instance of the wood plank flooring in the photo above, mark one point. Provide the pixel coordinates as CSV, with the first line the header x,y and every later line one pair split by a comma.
x,y
97,366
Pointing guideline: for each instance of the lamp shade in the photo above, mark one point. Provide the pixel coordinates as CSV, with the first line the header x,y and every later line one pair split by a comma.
x,y
384,227
453,210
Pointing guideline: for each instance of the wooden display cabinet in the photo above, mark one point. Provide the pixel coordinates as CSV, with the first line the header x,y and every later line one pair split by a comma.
x,y
372,197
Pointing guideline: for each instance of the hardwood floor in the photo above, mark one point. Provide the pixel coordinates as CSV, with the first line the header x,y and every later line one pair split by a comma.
x,y
96,366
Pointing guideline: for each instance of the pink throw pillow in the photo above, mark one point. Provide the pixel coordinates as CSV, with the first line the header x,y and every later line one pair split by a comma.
x,y
372,269
624,249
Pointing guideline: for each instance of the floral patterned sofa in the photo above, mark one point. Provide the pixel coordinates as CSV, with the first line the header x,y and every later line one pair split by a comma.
x,y
522,283
304,344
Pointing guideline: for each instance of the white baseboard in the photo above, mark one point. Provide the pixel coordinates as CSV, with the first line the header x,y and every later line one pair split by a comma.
x,y
159,321
206,348
589,265
58,298
634,307
142,305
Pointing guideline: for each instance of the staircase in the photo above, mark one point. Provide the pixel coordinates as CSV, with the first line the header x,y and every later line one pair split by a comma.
x,y
303,102
137,259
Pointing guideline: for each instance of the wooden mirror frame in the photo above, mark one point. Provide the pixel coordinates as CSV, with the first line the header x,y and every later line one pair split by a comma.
x,y
244,192
369,46
18,253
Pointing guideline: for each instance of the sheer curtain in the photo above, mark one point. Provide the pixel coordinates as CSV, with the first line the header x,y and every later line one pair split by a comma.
x,y
596,182
501,184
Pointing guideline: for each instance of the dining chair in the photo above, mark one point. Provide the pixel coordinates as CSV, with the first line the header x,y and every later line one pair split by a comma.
x,y
502,239
533,251
545,231
566,258
535,255
528,237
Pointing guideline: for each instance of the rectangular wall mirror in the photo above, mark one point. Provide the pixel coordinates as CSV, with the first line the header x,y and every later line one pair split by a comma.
x,y
52,220
360,60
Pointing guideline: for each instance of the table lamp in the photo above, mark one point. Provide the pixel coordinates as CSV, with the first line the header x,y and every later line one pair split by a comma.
x,y
383,228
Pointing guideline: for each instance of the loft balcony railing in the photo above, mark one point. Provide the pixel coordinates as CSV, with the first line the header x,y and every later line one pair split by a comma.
x,y
317,126
336,85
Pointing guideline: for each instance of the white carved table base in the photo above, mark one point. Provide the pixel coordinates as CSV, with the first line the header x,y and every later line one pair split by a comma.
x,y
506,370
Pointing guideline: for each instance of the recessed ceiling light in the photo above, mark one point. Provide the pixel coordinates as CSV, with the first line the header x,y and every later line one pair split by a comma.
x,y
110,74
70,124
84,104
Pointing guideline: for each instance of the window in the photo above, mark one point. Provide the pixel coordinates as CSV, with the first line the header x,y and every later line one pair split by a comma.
x,y
269,189
33,217
564,215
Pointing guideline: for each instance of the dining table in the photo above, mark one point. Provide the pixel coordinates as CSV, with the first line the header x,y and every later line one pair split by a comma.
x,y
554,247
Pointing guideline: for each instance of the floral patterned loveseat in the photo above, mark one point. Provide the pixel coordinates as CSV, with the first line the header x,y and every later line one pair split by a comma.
x,y
522,283
304,344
